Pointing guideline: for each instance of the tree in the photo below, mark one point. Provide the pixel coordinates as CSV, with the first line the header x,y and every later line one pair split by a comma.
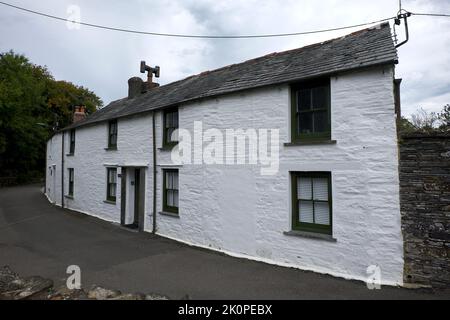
x,y
22,99
444,117
64,96
29,96
405,126
424,120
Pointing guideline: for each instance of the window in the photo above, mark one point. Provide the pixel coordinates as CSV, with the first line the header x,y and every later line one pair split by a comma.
x,y
112,134
111,184
170,190
72,142
311,201
170,125
71,178
310,113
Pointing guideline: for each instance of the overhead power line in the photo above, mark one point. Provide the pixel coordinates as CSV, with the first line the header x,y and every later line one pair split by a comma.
x,y
192,35
177,35
431,14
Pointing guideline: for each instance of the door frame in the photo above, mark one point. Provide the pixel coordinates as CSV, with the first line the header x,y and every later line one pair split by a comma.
x,y
137,187
139,195
123,194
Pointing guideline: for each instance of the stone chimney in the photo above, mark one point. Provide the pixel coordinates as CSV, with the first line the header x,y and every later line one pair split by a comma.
x,y
137,86
150,85
79,114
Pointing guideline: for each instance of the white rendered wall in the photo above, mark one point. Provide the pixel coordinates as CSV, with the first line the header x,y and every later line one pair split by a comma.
x,y
54,161
237,210
90,161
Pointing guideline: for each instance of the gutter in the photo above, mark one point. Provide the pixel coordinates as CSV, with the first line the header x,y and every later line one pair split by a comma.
x,y
154,172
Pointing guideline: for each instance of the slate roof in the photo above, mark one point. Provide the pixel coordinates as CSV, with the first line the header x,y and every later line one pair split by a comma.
x,y
364,48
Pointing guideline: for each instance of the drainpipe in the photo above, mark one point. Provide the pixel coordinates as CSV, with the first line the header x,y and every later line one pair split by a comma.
x,y
154,172
46,166
62,169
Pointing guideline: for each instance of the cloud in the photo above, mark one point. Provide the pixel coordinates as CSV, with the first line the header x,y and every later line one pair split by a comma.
x,y
103,60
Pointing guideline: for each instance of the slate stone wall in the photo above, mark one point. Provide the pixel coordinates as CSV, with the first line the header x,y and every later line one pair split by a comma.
x,y
425,208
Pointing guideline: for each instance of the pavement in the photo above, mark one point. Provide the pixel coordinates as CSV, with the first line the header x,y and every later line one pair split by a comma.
x,y
37,238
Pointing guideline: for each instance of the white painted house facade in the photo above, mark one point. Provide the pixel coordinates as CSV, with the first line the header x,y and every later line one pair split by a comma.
x,y
331,206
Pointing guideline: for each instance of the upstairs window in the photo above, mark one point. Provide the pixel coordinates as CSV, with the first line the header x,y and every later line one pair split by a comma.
x,y
170,190
111,184
310,111
170,125
72,142
71,181
112,134
311,201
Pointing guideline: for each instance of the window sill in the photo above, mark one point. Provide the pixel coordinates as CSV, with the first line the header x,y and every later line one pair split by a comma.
x,y
68,196
311,235
169,214
167,148
111,149
309,142
109,202
70,154
169,165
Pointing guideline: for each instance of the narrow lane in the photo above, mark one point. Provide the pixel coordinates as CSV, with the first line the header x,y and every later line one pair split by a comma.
x,y
37,238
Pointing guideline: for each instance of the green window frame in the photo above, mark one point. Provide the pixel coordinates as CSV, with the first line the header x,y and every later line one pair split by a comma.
x,y
170,124
170,190
312,202
71,181
311,111
111,184
72,142
112,134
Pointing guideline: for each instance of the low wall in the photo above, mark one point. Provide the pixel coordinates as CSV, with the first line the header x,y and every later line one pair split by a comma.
x,y
425,208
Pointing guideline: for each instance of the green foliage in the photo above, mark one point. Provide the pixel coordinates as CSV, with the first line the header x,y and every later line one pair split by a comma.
x,y
444,117
405,126
64,96
31,104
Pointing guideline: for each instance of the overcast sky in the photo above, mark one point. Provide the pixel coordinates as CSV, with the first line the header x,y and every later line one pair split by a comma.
x,y
104,60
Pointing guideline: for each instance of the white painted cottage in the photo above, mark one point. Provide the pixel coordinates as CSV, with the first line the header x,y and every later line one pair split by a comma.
x,y
325,112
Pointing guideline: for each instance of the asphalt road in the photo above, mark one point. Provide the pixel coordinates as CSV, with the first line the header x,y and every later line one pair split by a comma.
x,y
37,238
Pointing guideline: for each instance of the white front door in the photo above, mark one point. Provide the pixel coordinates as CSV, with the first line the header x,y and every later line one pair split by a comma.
x,y
130,196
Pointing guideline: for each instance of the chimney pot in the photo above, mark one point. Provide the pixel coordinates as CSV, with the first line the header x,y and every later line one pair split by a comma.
x,y
79,114
150,71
